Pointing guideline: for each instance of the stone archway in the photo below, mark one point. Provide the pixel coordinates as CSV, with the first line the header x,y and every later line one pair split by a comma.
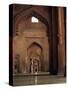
x,y
52,32
34,58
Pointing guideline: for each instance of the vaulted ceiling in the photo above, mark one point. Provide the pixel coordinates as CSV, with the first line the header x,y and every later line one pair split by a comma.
x,y
22,12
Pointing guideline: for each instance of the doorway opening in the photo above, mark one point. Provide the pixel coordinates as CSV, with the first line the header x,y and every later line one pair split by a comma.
x,y
34,56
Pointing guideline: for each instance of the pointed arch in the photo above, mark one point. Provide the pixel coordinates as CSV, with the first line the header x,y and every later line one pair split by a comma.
x,y
34,43
29,13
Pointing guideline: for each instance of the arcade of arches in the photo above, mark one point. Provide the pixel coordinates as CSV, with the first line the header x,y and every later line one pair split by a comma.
x,y
39,46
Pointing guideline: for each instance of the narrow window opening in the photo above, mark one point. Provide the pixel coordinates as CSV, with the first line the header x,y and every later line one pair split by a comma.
x,y
34,20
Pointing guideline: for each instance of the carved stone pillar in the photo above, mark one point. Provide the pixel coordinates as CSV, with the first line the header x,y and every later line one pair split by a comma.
x,y
61,45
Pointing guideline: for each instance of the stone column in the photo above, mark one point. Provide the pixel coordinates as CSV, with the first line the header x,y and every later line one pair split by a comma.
x,y
61,45
53,49
32,67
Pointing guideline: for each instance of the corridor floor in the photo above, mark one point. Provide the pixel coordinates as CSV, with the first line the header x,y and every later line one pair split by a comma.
x,y
36,79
